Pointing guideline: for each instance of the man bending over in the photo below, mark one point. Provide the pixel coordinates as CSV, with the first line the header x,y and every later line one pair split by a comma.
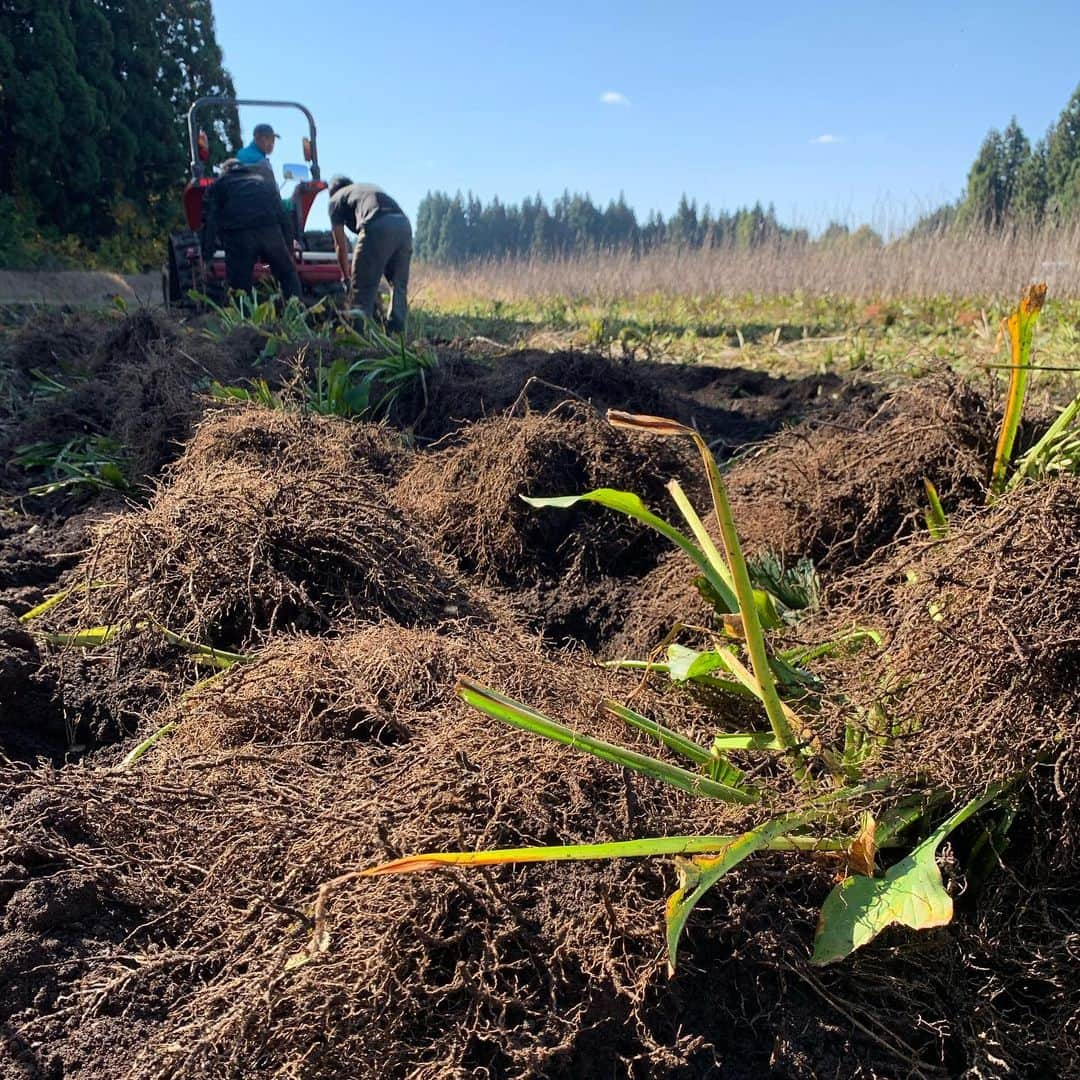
x,y
383,246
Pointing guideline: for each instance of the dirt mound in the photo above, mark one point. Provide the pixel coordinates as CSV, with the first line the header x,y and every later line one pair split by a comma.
x,y
834,492
204,864
369,684
270,520
568,568
469,494
249,436
982,661
555,972
838,495
129,379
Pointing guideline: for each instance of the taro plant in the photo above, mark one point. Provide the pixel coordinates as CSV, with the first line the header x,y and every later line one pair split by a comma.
x,y
366,385
280,323
1057,451
85,461
828,778
257,391
388,366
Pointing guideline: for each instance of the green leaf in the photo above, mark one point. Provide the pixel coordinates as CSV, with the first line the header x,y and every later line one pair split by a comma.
x,y
698,875
521,716
89,638
47,604
671,739
1059,448
845,644
618,849
910,894
132,756
1021,328
755,740
627,503
50,602
219,658
936,521
685,664
797,587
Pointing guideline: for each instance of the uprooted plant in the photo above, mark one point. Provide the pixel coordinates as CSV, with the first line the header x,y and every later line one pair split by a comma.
x,y
812,796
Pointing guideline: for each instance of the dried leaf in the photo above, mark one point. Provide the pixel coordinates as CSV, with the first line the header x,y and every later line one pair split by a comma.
x,y
864,847
656,425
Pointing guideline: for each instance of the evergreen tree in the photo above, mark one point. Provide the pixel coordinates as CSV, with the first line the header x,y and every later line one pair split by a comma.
x,y
683,227
1032,188
1063,160
619,230
453,233
1015,152
984,203
429,218
454,230
93,95
543,235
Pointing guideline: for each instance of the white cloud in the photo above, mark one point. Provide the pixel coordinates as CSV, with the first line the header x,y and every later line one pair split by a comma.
x,y
613,97
827,140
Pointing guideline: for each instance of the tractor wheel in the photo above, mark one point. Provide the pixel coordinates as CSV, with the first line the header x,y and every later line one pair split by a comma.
x,y
181,271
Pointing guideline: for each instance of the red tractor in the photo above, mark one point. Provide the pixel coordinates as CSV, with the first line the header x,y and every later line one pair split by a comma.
x,y
185,270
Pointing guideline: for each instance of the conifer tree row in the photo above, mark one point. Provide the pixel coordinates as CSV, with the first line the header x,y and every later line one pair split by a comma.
x,y
453,229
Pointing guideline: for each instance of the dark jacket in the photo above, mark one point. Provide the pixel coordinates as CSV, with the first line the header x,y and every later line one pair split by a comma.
x,y
244,198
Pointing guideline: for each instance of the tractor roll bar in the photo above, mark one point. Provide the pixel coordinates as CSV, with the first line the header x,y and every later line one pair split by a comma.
x,y
203,102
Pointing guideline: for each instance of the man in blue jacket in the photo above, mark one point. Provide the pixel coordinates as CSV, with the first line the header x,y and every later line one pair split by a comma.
x,y
243,209
258,151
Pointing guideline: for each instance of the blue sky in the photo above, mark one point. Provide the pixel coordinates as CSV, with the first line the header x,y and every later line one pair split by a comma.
x,y
857,111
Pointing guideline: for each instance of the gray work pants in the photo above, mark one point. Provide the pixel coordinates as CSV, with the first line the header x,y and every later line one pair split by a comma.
x,y
383,246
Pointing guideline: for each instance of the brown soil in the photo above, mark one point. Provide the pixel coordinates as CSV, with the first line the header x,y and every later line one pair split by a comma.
x,y
561,564
194,915
270,521
732,406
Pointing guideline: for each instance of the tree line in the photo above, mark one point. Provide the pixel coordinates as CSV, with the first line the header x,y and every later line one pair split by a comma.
x,y
1014,183
1010,183
93,143
453,229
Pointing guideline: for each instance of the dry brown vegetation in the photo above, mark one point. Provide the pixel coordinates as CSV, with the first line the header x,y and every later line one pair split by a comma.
x,y
982,265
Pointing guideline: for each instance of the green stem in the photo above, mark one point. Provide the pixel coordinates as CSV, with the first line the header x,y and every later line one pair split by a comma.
x,y
701,534
134,755
744,591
